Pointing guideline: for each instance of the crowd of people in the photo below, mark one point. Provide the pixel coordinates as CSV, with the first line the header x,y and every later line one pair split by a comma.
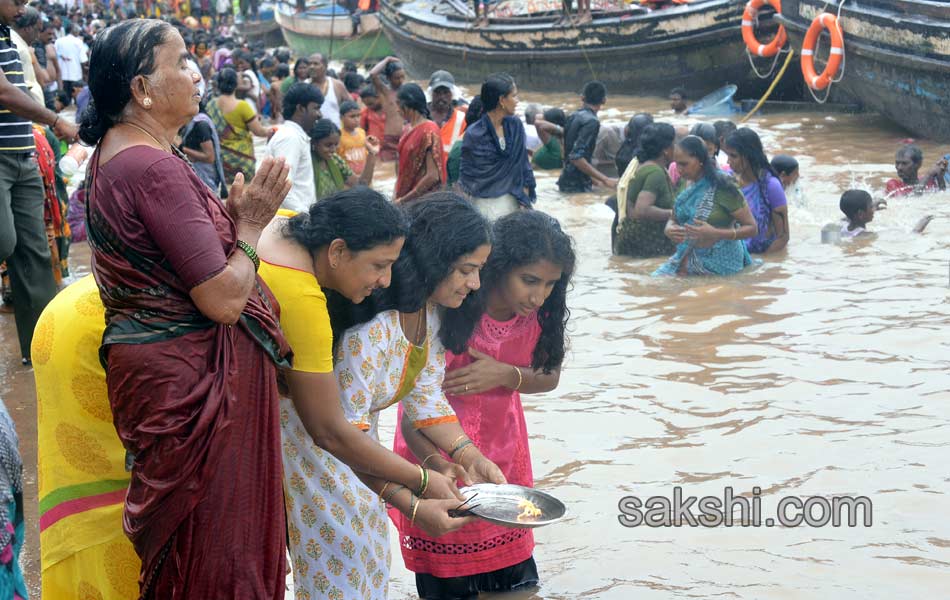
x,y
209,399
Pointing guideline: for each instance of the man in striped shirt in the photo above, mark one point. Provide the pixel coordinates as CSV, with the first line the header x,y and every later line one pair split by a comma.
x,y
23,242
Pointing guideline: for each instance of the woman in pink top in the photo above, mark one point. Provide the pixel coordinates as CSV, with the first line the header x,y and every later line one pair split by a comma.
x,y
517,347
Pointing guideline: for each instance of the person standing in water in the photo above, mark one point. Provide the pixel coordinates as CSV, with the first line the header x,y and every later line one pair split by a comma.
x,y
678,100
710,218
908,161
421,168
517,348
395,74
494,169
580,137
442,110
762,189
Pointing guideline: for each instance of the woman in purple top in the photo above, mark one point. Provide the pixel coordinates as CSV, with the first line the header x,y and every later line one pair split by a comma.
x,y
762,189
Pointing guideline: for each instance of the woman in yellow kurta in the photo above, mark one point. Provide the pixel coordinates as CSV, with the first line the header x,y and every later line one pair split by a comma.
x,y
82,476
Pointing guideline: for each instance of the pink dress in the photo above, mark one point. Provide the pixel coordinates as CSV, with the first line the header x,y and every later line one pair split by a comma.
x,y
494,420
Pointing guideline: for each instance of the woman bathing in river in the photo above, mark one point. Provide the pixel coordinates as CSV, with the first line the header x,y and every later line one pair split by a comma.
x,y
762,189
710,218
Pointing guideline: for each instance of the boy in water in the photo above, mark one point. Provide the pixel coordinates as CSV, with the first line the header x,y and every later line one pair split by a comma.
x,y
859,207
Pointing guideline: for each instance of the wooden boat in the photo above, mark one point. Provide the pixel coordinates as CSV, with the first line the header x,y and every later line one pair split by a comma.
x,y
265,29
633,50
328,29
897,58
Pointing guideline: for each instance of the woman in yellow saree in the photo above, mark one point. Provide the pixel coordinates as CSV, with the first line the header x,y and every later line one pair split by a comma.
x,y
82,477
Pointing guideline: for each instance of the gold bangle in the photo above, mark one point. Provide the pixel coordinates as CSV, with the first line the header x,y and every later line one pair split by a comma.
x,y
735,234
425,460
415,507
520,377
461,447
457,440
382,492
458,459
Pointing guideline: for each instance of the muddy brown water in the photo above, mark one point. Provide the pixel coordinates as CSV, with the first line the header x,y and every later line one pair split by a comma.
x,y
823,372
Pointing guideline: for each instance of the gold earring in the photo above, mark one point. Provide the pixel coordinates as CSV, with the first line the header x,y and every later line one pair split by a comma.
x,y
147,102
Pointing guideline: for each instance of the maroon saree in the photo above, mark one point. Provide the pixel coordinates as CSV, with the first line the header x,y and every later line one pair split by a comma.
x,y
414,148
195,402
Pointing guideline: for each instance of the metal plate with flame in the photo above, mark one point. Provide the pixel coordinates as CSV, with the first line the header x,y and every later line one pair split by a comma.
x,y
498,504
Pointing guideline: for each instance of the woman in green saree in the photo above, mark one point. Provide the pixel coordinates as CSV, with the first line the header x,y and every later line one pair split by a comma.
x,y
331,173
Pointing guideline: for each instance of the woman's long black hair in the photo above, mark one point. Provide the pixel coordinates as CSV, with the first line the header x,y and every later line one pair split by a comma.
x,y
443,227
524,238
748,145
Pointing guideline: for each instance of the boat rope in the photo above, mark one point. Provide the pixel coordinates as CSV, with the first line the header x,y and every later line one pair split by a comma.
x,y
748,51
788,61
774,62
366,54
358,38
332,32
590,65
844,59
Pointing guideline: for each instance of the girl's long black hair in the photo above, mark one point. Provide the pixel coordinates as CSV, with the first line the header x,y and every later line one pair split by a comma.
x,y
524,238
443,227
748,144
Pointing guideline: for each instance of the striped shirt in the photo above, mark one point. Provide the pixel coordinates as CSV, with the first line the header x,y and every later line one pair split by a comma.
x,y
16,133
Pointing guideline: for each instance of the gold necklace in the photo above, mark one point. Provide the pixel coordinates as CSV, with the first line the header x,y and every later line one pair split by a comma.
x,y
418,337
168,149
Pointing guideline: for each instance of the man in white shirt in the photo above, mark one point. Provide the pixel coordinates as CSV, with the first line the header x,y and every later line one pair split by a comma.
x,y
292,142
72,54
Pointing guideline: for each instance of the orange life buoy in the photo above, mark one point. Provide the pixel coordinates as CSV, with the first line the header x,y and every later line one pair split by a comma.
x,y
748,33
823,21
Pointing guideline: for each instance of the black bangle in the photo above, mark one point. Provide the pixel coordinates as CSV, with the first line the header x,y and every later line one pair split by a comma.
x,y
55,121
251,254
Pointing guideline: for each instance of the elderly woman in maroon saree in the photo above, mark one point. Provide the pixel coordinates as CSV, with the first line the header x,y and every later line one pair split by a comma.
x,y
192,341
420,169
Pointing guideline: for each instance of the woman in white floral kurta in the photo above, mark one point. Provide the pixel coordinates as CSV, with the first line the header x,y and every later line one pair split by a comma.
x,y
339,532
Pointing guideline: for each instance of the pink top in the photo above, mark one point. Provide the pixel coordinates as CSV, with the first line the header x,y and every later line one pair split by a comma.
x,y
494,420
674,171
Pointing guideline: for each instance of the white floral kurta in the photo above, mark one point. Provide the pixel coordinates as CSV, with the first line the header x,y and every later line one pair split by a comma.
x,y
339,531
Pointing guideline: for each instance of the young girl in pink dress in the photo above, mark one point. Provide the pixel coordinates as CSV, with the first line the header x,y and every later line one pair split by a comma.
x,y
517,347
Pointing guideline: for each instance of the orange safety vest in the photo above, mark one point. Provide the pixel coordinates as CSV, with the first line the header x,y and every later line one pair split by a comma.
x,y
452,131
